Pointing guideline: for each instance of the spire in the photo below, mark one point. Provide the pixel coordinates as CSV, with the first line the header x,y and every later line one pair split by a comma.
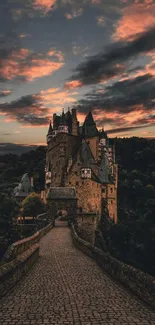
x,y
89,126
50,128
89,120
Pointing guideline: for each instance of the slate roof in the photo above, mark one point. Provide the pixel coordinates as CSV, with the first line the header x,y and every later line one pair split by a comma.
x,y
61,193
86,155
89,126
103,174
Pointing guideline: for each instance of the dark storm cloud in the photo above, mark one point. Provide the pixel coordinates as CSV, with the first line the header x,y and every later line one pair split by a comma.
x,y
130,128
111,63
26,110
122,97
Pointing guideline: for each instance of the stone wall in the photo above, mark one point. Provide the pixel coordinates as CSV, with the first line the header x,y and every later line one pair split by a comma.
x,y
140,283
86,226
19,259
21,246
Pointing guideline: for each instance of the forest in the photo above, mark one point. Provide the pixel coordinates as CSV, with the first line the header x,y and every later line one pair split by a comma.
x,y
132,240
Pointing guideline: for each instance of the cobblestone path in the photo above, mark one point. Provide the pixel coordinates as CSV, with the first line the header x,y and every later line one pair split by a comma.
x,y
67,287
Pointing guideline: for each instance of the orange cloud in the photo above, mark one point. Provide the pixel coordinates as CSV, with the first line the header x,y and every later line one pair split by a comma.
x,y
73,84
21,64
44,5
56,97
136,19
58,54
75,13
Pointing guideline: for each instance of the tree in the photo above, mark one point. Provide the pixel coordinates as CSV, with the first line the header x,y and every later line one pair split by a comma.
x,y
33,205
9,210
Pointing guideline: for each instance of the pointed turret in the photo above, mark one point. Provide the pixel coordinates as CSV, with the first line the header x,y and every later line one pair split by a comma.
x,y
89,126
50,132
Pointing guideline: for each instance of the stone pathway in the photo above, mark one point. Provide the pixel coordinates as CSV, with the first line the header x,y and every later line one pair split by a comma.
x,y
67,287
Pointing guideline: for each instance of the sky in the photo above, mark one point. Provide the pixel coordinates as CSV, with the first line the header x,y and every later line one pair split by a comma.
x,y
85,54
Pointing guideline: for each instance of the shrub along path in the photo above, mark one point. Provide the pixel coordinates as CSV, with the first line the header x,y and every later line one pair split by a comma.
x,y
67,287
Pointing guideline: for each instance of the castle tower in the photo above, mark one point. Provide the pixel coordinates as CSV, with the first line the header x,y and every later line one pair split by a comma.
x,y
74,122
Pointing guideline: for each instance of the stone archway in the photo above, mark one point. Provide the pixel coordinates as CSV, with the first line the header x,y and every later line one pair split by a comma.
x,y
62,198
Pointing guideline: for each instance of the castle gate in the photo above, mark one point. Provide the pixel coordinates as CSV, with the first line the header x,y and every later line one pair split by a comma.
x,y
62,198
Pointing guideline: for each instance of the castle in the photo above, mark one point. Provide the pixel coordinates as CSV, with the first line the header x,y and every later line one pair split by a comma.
x,y
82,158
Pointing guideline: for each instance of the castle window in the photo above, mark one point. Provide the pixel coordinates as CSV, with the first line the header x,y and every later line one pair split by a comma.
x,y
111,189
75,173
103,190
111,202
77,183
86,173
69,182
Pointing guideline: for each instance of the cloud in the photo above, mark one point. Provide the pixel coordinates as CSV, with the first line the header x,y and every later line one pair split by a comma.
x,y
123,105
113,62
126,129
137,18
58,54
100,20
123,96
44,5
24,65
37,109
75,13
26,110
73,84
5,92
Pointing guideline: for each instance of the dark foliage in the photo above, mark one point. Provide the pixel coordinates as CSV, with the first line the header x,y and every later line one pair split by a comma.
x,y
133,238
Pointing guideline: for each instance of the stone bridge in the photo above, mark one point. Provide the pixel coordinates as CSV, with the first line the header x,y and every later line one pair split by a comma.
x,y
65,286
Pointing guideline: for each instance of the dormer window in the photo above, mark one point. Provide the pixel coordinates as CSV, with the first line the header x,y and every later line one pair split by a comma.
x,y
86,173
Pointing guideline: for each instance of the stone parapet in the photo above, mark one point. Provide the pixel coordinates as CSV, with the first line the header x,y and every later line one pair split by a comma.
x,y
140,283
19,259
12,272
21,246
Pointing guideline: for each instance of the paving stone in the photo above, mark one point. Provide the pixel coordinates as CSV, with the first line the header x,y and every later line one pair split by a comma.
x,y
66,287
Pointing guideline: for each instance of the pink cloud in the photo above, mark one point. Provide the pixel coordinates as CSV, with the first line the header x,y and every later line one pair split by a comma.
x,y
58,54
44,5
136,19
56,97
73,84
22,64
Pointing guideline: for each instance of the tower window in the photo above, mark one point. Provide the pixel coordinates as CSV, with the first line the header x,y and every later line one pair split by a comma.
x,y
111,189
86,173
103,190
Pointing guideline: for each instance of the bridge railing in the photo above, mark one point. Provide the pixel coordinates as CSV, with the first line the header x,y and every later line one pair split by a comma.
x,y
19,258
140,283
